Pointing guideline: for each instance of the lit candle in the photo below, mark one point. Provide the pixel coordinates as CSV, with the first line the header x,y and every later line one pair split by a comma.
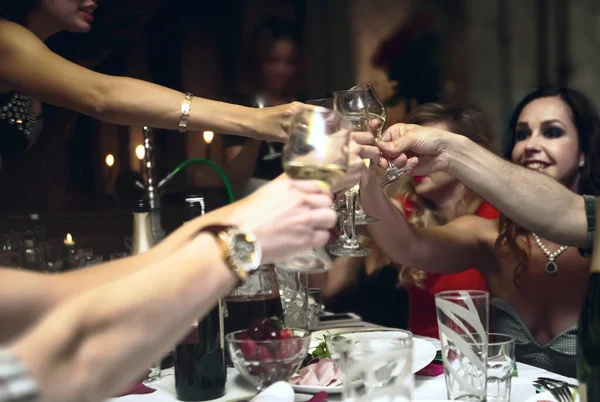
x,y
69,240
69,260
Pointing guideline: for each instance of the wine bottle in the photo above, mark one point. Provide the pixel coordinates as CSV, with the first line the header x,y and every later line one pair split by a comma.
x,y
142,228
142,241
588,337
200,371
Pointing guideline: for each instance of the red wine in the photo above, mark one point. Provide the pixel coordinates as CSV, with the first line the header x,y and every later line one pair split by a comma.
x,y
588,338
200,370
244,310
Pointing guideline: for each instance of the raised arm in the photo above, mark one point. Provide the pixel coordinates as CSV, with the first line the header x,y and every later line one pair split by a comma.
x,y
459,245
532,199
28,66
26,296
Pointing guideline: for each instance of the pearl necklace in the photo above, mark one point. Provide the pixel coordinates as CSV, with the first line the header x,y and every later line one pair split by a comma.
x,y
551,267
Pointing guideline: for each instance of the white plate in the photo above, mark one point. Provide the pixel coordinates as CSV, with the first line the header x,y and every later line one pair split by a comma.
x,y
423,354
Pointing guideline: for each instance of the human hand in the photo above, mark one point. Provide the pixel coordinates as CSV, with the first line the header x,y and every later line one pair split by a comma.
x,y
287,216
423,148
362,146
273,123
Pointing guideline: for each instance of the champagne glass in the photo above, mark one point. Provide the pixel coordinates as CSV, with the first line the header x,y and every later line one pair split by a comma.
x,y
353,104
317,149
339,204
272,153
376,110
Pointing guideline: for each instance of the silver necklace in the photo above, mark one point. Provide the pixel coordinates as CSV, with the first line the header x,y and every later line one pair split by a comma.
x,y
551,267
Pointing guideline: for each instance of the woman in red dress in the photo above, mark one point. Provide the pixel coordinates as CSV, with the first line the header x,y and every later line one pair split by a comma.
x,y
363,285
438,199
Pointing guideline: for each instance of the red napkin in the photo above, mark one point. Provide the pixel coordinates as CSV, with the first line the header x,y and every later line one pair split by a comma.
x,y
319,397
138,388
432,370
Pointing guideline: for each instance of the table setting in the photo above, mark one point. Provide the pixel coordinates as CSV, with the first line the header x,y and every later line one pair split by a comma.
x,y
387,364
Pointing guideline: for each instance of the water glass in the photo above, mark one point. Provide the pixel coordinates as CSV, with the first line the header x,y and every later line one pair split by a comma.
x,y
376,364
463,327
500,367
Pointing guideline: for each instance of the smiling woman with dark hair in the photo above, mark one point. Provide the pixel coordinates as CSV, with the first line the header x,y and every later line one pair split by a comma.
x,y
30,74
556,132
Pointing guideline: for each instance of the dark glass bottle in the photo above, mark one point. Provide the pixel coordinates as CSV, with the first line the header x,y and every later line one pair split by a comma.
x,y
200,371
588,338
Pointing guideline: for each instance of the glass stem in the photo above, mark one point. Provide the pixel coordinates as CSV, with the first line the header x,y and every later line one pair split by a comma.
x,y
350,214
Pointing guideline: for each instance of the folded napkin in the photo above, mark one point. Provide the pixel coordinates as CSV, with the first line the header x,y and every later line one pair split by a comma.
x,y
138,388
319,397
279,392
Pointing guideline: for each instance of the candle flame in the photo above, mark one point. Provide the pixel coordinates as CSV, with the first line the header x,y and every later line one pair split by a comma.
x,y
69,239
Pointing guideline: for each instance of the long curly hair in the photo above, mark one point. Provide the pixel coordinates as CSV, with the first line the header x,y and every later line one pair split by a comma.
x,y
513,241
465,120
18,10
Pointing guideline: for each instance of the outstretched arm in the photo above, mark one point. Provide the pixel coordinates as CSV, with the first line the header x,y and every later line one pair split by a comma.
x,y
532,199
454,247
102,340
28,66
283,214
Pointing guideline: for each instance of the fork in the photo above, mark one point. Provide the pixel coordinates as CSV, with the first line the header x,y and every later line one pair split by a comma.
x,y
558,382
560,392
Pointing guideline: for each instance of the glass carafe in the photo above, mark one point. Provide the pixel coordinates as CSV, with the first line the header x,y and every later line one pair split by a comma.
x,y
256,298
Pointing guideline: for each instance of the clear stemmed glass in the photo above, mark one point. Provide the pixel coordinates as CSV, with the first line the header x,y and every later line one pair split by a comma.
x,y
376,110
339,204
353,104
317,149
348,103
272,153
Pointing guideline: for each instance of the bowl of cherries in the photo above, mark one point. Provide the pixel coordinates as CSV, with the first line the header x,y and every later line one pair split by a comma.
x,y
267,352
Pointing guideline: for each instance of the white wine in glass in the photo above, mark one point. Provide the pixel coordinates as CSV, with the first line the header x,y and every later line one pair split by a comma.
x,y
317,149
330,174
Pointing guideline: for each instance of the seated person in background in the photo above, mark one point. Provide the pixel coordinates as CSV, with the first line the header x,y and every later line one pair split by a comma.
x,y
436,200
425,201
555,131
270,77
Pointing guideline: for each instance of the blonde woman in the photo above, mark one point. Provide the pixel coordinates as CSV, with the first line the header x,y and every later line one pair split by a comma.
x,y
436,200
365,286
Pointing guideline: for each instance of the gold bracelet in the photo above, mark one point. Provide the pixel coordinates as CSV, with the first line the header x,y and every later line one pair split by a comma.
x,y
186,106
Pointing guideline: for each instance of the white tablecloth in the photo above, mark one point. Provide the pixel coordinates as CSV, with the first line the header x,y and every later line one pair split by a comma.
x,y
425,387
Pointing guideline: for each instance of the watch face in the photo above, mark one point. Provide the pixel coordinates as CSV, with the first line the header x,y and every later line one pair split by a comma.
x,y
244,250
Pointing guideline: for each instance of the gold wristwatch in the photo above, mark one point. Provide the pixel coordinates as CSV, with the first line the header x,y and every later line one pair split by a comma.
x,y
241,250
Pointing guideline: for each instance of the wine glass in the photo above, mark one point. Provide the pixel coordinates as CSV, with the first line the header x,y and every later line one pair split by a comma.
x,y
376,110
272,153
353,104
317,149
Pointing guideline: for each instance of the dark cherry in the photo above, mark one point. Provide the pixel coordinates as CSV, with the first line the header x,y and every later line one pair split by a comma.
x,y
257,331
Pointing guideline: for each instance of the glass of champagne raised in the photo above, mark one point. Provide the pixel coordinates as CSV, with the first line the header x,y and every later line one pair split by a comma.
x,y
376,111
317,149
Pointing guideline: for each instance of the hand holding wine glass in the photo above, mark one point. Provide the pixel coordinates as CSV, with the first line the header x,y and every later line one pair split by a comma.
x,y
317,149
362,147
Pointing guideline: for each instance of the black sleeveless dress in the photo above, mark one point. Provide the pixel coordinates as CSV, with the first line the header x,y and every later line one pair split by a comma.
x,y
19,125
